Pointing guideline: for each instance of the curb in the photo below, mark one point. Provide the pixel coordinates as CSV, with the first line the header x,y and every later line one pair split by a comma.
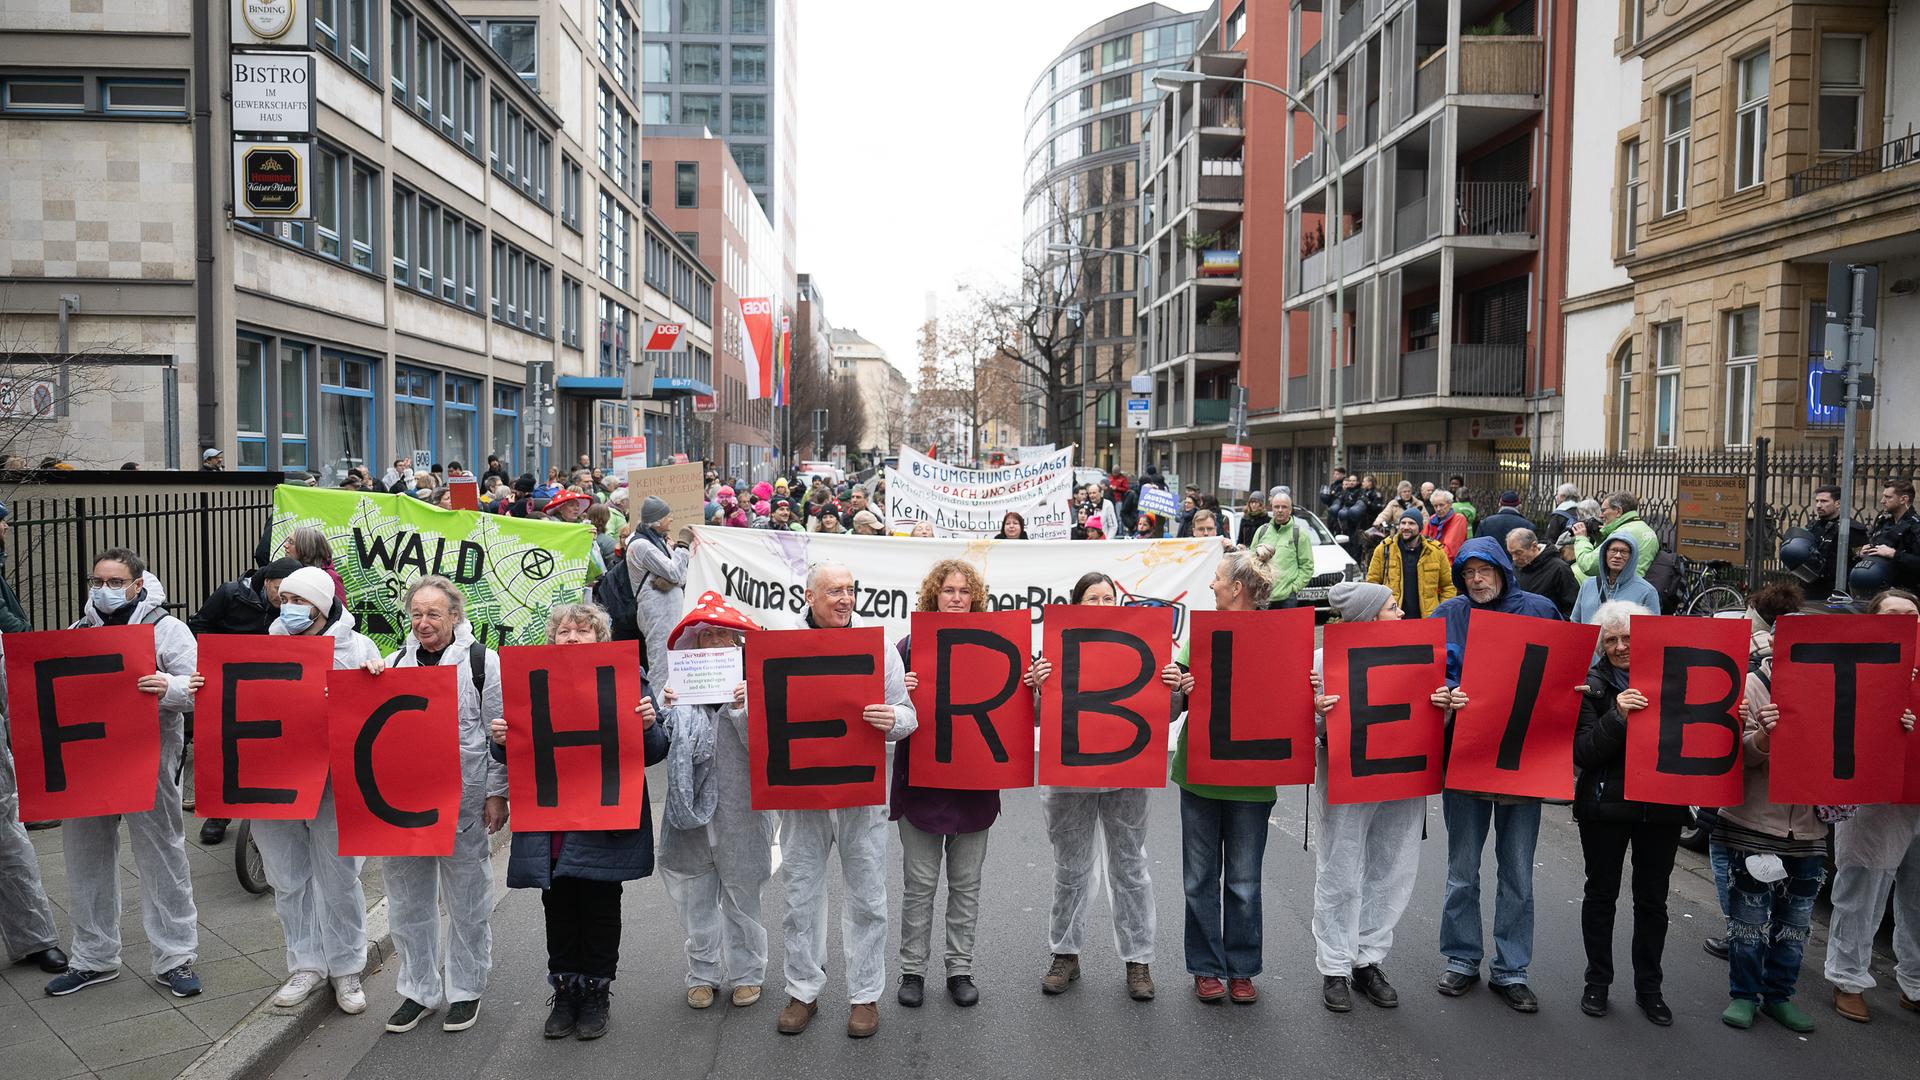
x,y
265,1036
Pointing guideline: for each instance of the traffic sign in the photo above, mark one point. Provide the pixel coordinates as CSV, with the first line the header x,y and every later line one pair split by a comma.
x,y
1138,411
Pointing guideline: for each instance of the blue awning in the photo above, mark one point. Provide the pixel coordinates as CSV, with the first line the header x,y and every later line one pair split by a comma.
x,y
591,385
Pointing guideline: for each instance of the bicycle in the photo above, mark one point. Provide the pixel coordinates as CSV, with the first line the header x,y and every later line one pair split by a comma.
x,y
1703,592
247,864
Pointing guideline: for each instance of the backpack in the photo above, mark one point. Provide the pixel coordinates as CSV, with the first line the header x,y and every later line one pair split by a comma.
x,y
1663,573
614,591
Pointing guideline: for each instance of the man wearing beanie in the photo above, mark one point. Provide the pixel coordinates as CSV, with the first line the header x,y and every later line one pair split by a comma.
x,y
1368,853
1508,518
780,517
1413,567
659,571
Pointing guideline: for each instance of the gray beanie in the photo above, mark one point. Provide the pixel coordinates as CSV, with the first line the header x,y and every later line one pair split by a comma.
x,y
1414,513
652,510
1358,601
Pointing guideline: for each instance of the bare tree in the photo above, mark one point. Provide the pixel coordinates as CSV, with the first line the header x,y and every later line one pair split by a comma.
x,y
812,385
40,392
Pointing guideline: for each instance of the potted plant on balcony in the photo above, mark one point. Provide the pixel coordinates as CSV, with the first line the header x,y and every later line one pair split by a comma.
x,y
1494,27
1225,312
1203,241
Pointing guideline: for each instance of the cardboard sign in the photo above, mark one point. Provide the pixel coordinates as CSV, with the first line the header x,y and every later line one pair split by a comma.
x,y
1515,737
1384,737
260,726
1841,682
86,739
576,751
394,745
464,492
1683,749
976,715
1250,716
808,747
682,486
1105,712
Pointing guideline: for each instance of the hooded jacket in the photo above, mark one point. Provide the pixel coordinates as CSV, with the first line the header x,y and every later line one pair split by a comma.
x,y
1292,545
236,607
659,573
1512,599
1388,567
175,653
350,649
1587,554
1629,585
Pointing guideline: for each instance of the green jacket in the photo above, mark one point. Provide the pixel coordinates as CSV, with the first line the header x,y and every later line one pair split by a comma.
x,y
1292,556
1586,552
1466,510
1177,770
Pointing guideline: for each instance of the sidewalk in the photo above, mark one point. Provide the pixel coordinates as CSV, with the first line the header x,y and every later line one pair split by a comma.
x,y
131,1027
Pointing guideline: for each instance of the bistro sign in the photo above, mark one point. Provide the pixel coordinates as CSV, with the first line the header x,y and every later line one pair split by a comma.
x,y
272,93
270,22
270,181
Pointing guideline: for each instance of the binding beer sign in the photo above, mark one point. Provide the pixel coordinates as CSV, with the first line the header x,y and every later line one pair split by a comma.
x,y
272,93
270,180
270,22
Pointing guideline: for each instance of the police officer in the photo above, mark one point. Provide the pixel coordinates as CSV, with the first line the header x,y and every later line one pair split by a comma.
x,y
1895,538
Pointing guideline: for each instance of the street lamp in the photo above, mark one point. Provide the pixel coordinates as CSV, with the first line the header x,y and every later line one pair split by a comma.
x,y
1170,81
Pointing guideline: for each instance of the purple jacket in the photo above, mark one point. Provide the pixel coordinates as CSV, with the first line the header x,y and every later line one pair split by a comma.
x,y
941,811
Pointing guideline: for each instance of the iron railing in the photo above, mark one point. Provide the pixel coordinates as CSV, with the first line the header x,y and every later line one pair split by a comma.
x,y
1487,370
1220,112
1877,159
1494,207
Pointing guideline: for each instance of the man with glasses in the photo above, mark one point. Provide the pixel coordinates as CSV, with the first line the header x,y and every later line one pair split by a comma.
x,y
808,839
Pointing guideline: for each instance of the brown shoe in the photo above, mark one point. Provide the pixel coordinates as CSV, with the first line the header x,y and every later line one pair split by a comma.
x,y
1851,1006
1065,969
1909,1004
1139,982
864,1020
744,996
796,1016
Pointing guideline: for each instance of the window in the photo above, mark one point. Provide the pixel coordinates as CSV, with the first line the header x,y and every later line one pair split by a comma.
x,y
700,63
345,437
570,292
327,202
293,405
1676,147
570,192
1750,121
748,17
400,35
517,41
1236,25
434,80
686,184
249,403
527,302
1636,21
749,64
1115,131
1632,189
699,16
1623,398
1743,365
435,251
1843,91
656,16
656,108
344,194
413,410
403,206
146,97
345,29
462,419
622,248
752,159
691,239
1666,384
749,114
45,93
1116,52
702,110
615,324
506,424
1116,91
656,63
607,204
646,183
521,154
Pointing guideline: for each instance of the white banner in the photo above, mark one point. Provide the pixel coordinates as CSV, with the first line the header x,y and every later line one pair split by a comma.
x,y
973,502
763,573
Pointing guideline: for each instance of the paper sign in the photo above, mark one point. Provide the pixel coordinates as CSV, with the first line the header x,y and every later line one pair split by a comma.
x,y
1841,682
576,751
1384,737
1104,714
260,726
976,714
704,676
808,745
1521,677
86,739
682,486
394,745
1250,717
1683,749
629,453
1236,467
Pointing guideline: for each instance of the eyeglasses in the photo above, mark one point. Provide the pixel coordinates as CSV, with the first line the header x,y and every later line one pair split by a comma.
x,y
108,583
844,592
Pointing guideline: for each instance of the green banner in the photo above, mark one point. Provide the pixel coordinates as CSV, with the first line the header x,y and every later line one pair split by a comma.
x,y
511,570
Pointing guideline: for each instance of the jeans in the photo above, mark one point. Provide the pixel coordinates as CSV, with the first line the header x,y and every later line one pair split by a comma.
x,y
1767,927
1223,925
921,856
1722,873
1516,829
1605,845
583,927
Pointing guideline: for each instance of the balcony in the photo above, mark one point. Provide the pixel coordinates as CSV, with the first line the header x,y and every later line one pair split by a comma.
x,y
1221,179
1302,177
1475,370
1208,338
1869,162
1501,65
1351,22
1313,270
1410,226
1355,251
1356,384
1430,80
1210,411
1312,62
1303,393
1494,207
1220,112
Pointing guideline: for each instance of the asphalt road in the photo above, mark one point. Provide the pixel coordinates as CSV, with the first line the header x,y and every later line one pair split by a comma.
x,y
1096,1031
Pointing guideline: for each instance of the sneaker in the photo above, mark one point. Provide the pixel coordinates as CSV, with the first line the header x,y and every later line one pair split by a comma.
x,y
1336,995
796,1016
183,981
75,979
565,1014
1060,974
1739,1013
1593,1000
596,1001
1208,988
1655,1008
461,1015
864,1020
1372,982
744,996
1519,997
1454,983
700,997
1789,1016
913,990
407,1016
297,988
1242,991
350,995
1139,981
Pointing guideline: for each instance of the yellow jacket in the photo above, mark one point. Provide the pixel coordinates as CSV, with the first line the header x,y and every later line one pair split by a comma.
x,y
1434,573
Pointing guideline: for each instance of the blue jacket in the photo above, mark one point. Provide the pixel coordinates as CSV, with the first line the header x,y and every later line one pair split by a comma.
x,y
613,855
1512,599
1629,586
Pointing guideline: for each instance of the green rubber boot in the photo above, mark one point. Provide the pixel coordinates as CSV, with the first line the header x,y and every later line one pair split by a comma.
x,y
1789,1016
1739,1013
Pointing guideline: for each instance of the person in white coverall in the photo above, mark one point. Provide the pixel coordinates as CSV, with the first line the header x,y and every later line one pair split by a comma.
x,y
26,916
119,596
808,837
316,890
418,885
715,849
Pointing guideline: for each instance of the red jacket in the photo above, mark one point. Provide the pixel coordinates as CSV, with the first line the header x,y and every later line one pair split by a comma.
x,y
1450,529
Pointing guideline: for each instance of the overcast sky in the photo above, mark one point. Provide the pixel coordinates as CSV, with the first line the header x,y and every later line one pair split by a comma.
x,y
912,127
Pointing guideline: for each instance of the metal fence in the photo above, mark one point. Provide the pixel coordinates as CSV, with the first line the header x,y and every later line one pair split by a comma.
x,y
195,530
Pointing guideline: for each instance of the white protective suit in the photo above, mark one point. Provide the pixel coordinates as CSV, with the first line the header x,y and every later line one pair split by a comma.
x,y
659,611
316,890
1365,859
807,839
92,845
1875,852
418,885
714,874
1121,815
26,916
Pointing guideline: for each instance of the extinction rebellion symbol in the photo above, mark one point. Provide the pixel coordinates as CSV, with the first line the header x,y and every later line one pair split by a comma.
x,y
272,180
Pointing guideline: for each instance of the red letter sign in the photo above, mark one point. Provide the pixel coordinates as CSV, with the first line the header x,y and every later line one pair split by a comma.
x,y
976,716
1841,682
1384,738
576,754
260,727
809,746
1250,716
86,740
395,740
1521,678
1104,713
1683,749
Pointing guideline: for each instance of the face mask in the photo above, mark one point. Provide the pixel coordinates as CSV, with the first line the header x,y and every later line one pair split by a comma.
x,y
296,618
108,600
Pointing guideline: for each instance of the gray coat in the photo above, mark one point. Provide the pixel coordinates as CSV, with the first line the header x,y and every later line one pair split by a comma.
x,y
739,839
660,608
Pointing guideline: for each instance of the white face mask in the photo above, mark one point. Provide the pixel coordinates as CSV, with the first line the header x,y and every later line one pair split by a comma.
x,y
107,601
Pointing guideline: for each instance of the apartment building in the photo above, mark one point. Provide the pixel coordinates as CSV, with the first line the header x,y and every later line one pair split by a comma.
x,y
883,387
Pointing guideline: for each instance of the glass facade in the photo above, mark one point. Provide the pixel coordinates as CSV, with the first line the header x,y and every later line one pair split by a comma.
x,y
715,66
